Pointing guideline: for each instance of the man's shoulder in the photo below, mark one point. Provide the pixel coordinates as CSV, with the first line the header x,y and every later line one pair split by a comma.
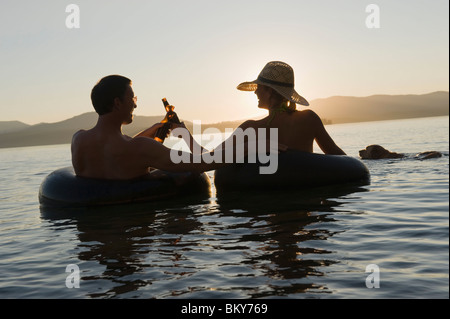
x,y
84,137
78,136
83,134
79,132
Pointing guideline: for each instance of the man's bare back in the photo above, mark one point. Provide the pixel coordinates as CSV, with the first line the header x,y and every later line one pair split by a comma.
x,y
103,151
98,154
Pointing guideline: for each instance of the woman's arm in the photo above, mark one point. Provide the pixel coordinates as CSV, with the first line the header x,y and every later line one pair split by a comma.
x,y
148,153
230,139
323,139
194,146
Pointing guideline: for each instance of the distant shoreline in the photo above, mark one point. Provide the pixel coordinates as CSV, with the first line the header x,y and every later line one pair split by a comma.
x,y
205,126
333,110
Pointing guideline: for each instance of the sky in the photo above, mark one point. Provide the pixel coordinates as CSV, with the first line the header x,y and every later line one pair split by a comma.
x,y
196,52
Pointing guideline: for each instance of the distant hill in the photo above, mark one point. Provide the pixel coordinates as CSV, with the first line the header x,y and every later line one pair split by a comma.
x,y
346,109
338,109
61,132
11,126
15,135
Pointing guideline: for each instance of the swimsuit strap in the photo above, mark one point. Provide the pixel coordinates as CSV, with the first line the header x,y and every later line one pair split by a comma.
x,y
282,108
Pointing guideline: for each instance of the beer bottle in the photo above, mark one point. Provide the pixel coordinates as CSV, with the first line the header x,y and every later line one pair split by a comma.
x,y
171,117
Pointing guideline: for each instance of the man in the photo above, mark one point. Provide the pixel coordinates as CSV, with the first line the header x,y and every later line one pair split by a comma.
x,y
105,152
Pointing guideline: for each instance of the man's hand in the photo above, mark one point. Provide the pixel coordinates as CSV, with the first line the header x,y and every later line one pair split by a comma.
x,y
151,131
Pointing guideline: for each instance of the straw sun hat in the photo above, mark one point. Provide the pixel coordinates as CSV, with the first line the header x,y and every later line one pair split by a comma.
x,y
280,77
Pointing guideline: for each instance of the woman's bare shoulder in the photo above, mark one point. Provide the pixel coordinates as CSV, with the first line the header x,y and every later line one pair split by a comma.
x,y
307,116
306,113
254,123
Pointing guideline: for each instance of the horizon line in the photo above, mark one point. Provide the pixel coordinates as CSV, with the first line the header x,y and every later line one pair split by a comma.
x,y
235,120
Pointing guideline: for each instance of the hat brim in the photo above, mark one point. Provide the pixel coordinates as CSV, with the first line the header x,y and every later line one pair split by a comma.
x,y
289,93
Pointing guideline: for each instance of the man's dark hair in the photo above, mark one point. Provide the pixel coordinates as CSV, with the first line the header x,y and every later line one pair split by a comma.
x,y
106,90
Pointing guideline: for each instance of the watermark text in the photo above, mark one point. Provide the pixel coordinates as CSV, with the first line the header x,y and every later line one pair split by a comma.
x,y
373,280
250,145
73,19
73,280
373,19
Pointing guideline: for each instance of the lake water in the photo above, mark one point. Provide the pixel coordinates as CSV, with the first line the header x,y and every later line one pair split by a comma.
x,y
312,243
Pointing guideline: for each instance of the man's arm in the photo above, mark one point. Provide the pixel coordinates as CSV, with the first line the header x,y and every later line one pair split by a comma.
x,y
150,132
150,153
77,161
146,152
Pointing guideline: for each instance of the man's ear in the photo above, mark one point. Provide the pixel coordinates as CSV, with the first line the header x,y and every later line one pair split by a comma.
x,y
117,103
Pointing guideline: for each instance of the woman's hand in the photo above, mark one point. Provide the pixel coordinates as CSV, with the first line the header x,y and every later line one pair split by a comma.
x,y
175,125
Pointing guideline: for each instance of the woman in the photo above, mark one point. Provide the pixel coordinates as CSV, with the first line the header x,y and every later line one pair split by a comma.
x,y
296,129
